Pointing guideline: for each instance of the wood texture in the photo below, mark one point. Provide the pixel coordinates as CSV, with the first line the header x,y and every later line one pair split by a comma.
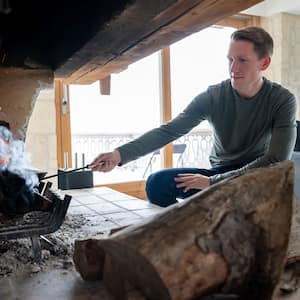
x,y
133,188
238,21
121,42
166,100
230,238
105,84
63,124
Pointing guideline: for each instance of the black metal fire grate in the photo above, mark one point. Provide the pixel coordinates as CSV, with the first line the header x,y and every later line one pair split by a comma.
x,y
35,224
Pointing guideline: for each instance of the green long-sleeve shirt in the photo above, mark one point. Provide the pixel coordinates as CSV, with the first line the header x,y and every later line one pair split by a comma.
x,y
252,132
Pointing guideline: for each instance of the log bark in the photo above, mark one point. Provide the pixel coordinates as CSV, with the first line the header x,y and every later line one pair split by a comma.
x,y
290,277
230,238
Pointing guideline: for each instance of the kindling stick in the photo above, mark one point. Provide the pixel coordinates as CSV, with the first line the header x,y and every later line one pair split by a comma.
x,y
66,172
71,171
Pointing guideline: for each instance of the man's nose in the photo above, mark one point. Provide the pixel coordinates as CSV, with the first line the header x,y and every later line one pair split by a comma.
x,y
234,67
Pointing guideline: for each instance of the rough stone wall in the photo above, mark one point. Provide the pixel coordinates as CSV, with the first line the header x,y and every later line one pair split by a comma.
x,y
285,67
19,89
28,104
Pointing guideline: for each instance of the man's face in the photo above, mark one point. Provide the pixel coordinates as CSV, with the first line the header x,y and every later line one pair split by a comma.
x,y
245,67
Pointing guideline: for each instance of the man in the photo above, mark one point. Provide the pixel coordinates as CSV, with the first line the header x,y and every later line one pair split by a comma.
x,y
253,122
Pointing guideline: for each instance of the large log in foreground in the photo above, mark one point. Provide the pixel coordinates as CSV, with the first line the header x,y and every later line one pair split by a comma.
x,y
230,238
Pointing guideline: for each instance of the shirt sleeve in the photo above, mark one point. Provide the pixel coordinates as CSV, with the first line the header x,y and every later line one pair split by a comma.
x,y
158,137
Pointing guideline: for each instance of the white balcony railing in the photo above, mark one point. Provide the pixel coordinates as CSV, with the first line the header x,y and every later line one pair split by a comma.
x,y
90,145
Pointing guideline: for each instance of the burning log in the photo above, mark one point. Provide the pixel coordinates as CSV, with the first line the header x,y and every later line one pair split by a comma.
x,y
230,238
16,197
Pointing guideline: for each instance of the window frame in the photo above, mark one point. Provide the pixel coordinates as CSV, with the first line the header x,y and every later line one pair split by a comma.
x,y
63,124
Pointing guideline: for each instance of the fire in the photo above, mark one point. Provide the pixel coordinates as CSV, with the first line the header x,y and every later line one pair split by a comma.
x,y
5,144
13,158
3,162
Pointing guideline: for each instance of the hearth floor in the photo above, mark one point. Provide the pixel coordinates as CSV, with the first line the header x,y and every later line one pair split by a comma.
x,y
93,211
99,209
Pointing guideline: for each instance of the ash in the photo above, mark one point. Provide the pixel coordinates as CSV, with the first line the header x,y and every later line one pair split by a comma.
x,y
16,256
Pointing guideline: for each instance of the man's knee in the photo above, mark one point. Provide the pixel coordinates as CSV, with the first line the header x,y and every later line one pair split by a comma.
x,y
158,190
152,188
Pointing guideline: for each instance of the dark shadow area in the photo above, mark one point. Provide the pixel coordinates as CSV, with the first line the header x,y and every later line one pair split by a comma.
x,y
36,34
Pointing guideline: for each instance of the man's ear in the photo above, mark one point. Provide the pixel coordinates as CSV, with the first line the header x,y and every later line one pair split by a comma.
x,y
266,63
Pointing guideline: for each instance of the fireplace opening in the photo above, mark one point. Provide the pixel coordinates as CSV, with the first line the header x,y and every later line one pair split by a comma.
x,y
39,34
18,184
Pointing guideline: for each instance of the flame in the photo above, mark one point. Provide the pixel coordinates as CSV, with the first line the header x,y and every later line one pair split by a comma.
x,y
3,162
5,141
13,158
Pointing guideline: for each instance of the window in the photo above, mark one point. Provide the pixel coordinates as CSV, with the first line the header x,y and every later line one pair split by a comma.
x,y
197,62
100,123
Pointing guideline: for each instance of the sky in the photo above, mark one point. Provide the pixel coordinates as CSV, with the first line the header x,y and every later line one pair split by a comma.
x,y
133,106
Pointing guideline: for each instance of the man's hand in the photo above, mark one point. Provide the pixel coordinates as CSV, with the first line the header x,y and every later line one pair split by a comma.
x,y
191,181
105,162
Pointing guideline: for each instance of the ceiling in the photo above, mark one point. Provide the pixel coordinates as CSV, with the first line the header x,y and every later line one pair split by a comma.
x,y
84,41
270,7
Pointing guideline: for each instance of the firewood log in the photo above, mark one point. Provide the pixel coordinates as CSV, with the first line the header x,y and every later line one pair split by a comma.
x,y
229,238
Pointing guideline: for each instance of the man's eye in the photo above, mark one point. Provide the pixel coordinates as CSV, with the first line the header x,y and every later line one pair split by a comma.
x,y
243,60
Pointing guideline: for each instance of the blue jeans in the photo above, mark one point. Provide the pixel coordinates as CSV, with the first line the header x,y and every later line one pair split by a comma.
x,y
161,186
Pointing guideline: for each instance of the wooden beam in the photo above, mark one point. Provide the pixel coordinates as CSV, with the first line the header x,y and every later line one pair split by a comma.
x,y
239,21
105,84
122,42
254,21
133,188
63,124
165,100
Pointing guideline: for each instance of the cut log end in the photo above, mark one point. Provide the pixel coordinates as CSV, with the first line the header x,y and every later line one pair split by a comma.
x,y
89,259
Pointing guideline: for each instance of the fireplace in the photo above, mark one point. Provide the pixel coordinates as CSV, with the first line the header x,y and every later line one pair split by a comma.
x,y
28,207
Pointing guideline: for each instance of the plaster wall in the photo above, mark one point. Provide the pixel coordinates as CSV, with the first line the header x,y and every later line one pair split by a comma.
x,y
41,142
285,67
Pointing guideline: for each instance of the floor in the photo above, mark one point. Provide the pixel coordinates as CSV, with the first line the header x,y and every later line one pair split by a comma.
x,y
104,209
108,209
